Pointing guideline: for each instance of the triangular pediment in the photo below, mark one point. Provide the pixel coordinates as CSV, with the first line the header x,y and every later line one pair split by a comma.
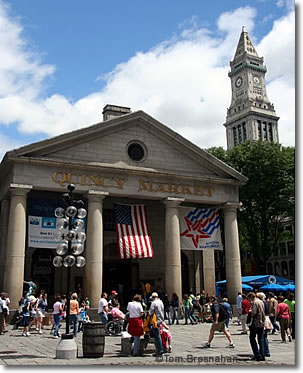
x,y
106,145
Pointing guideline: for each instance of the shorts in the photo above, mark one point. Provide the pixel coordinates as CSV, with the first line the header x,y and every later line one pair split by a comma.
x,y
220,327
40,313
25,320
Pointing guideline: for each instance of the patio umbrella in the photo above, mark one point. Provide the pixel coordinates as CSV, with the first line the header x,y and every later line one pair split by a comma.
x,y
273,287
247,287
290,287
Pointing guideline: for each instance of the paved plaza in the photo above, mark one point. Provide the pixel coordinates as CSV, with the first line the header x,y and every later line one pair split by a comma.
x,y
16,350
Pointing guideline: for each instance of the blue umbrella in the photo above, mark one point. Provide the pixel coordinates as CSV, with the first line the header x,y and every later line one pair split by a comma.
x,y
273,287
247,287
290,287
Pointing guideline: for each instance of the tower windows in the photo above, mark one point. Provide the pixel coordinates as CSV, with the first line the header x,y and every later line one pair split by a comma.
x,y
271,137
259,130
244,131
264,127
235,135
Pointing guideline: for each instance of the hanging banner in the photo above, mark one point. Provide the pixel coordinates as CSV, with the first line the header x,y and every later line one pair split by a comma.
x,y
42,223
200,229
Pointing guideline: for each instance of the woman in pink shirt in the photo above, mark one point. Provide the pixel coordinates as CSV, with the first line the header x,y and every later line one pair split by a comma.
x,y
284,316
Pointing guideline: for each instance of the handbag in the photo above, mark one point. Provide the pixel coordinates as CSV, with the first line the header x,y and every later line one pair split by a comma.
x,y
267,324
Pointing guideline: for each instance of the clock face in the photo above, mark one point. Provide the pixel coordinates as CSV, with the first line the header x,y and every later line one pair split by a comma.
x,y
256,80
239,82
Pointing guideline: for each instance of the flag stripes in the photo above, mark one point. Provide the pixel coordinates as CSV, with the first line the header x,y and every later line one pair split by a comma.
x,y
132,231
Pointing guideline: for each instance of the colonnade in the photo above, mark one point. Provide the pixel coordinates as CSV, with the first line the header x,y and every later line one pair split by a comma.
x,y
16,236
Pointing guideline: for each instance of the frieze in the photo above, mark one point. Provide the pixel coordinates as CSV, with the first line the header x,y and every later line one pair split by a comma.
x,y
149,186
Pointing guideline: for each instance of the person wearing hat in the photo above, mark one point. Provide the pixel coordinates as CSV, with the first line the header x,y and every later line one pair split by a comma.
x,y
113,299
256,327
157,307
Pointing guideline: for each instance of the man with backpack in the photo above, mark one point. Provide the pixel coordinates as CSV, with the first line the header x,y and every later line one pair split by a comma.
x,y
219,314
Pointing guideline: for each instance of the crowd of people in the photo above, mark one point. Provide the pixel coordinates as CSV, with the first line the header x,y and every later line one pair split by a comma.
x,y
259,314
150,314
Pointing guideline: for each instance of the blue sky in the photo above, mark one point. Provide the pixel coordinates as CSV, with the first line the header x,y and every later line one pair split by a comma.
x,y
63,61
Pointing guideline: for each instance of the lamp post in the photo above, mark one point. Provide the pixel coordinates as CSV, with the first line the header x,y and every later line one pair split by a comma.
x,y
70,241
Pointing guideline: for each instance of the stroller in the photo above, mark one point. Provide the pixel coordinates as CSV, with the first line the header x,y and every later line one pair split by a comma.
x,y
16,320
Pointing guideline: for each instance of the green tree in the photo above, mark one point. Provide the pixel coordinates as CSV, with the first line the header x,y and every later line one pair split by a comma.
x,y
268,197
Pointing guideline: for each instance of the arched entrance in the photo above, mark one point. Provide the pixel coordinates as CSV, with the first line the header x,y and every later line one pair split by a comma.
x,y
121,275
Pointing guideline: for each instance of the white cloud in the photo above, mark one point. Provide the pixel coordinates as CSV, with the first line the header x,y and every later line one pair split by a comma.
x,y
182,82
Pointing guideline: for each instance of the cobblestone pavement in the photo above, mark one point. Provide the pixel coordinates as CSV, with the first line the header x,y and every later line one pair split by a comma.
x,y
16,350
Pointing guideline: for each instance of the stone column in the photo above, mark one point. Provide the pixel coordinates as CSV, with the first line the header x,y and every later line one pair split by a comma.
x,y
3,236
15,253
209,271
173,274
198,270
94,247
232,252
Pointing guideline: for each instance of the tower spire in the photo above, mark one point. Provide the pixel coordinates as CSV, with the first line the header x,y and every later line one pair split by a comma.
x,y
245,46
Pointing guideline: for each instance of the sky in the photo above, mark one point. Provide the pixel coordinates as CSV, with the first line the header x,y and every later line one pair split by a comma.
x,y
61,62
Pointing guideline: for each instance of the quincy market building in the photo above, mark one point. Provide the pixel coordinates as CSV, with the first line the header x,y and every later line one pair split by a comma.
x,y
128,158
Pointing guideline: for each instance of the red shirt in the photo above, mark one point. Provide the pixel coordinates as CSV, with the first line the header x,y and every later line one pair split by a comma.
x,y
283,310
245,306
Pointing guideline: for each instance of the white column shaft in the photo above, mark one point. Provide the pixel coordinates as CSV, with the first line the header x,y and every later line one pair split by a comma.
x,y
94,249
14,266
232,254
173,275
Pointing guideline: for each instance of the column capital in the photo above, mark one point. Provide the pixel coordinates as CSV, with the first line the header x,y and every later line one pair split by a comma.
x,y
232,206
173,201
19,189
96,195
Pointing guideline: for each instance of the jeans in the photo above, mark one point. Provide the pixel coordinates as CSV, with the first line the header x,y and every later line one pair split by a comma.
x,y
187,316
258,351
175,315
136,345
266,345
73,319
104,318
274,323
167,315
158,340
57,319
293,325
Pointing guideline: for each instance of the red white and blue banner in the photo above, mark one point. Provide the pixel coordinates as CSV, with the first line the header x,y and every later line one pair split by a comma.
x,y
132,231
200,229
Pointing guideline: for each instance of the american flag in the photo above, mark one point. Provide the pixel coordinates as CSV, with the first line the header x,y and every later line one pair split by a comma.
x,y
132,231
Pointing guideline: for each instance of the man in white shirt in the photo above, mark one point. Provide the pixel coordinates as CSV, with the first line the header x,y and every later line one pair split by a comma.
x,y
103,308
157,307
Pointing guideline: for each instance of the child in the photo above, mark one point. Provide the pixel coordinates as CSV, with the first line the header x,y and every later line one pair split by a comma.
x,y
166,336
81,316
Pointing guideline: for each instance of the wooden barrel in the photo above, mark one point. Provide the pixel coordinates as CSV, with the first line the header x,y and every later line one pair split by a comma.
x,y
93,339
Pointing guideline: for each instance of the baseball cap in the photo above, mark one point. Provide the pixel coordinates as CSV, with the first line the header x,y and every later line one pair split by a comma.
x,y
154,295
114,292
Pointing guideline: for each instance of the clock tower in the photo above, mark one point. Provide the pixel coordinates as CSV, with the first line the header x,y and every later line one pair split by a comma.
x,y
251,116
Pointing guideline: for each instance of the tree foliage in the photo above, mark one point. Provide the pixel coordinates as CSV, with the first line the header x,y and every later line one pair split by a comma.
x,y
268,197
